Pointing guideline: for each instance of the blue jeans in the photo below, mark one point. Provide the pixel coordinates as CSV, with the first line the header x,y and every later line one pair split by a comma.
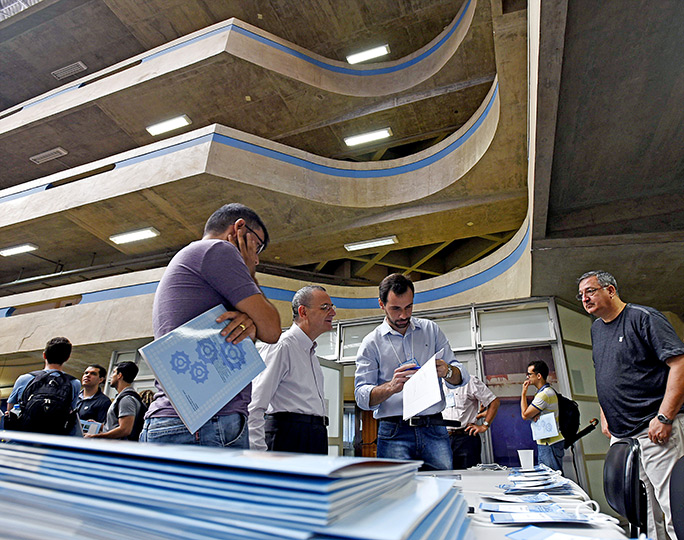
x,y
398,440
229,431
551,455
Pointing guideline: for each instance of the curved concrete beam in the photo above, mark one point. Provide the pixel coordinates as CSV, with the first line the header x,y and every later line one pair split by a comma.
x,y
231,154
247,42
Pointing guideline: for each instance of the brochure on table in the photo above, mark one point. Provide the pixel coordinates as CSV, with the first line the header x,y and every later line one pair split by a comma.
x,y
199,371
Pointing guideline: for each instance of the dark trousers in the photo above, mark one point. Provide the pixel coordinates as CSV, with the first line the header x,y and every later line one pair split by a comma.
x,y
287,434
465,449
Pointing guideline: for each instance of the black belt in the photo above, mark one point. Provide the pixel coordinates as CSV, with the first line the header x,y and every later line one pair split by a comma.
x,y
427,420
298,417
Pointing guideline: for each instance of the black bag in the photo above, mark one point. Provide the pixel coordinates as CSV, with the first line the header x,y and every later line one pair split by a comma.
x,y
46,402
139,418
568,419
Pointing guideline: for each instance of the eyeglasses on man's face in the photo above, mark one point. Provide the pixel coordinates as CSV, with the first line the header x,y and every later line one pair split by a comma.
x,y
529,374
262,244
327,307
589,292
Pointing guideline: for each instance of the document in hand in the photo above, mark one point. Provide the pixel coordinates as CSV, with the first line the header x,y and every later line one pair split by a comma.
x,y
199,371
544,427
423,389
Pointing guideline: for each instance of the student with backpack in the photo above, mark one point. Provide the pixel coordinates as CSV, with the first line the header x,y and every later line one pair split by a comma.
x,y
44,401
126,414
551,449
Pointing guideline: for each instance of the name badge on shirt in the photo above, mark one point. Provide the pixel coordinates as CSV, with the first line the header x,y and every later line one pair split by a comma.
x,y
450,399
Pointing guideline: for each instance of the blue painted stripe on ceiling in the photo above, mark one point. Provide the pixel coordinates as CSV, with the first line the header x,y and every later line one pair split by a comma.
x,y
310,165
64,91
119,292
275,293
426,296
163,151
358,173
25,193
351,70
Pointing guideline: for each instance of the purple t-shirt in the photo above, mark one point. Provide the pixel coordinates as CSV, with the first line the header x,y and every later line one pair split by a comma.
x,y
202,275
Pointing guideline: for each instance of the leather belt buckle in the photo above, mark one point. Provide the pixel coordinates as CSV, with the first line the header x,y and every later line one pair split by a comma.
x,y
416,421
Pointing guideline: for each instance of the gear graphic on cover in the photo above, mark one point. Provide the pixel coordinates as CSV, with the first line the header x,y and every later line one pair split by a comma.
x,y
180,362
234,357
199,372
206,351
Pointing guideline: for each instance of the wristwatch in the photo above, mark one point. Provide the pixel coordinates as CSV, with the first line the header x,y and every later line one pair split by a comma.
x,y
485,423
449,373
664,419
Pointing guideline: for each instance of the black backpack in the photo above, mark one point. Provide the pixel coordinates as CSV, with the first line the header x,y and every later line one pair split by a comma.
x,y
568,419
45,405
139,418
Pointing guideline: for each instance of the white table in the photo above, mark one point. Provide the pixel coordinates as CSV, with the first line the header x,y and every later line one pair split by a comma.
x,y
475,483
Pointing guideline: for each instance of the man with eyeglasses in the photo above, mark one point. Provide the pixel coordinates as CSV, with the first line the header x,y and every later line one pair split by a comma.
x,y
550,450
288,411
386,359
639,362
219,269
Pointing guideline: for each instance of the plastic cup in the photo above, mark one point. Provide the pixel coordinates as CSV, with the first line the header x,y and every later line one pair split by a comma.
x,y
526,459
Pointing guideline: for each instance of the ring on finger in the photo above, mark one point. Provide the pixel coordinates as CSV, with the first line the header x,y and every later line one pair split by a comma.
x,y
242,326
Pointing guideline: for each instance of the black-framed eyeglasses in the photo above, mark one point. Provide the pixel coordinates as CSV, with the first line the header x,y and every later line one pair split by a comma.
x,y
262,244
589,292
528,374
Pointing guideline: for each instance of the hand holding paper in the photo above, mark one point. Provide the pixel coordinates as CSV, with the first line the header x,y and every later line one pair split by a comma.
x,y
423,389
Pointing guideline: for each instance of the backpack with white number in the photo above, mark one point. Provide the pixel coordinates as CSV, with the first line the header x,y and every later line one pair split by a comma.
x,y
45,404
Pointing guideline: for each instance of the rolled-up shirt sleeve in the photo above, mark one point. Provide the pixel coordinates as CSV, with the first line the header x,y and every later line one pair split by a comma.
x,y
367,375
442,342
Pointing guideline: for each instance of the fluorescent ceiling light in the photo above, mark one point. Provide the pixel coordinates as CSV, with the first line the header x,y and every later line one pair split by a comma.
x,y
16,250
368,55
376,242
134,236
368,137
169,125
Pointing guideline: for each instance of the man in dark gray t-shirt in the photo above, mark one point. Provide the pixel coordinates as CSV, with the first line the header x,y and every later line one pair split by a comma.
x,y
218,269
639,362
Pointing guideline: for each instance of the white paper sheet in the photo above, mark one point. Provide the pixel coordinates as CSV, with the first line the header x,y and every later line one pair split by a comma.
x,y
545,427
423,389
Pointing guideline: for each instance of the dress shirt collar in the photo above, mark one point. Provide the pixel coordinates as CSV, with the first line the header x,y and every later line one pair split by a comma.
x,y
385,328
302,339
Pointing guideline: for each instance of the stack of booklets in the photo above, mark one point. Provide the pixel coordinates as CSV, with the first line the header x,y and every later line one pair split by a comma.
x,y
65,488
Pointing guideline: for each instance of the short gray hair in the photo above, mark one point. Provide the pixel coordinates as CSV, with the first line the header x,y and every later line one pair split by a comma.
x,y
604,278
303,298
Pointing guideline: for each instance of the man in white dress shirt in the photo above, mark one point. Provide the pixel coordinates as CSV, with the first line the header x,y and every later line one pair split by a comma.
x,y
288,412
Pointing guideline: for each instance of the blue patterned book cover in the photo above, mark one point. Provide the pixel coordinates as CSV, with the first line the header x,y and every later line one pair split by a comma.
x,y
199,371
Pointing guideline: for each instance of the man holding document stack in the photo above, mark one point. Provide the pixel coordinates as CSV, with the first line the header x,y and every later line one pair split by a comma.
x,y
218,269
388,357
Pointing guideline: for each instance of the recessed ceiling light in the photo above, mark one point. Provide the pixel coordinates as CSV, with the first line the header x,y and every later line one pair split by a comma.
x,y
355,140
134,236
375,52
376,242
169,125
470,224
16,250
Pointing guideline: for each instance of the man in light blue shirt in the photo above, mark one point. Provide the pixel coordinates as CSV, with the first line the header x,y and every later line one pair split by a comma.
x,y
385,361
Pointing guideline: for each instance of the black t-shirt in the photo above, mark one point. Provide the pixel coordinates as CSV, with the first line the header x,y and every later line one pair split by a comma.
x,y
94,408
630,356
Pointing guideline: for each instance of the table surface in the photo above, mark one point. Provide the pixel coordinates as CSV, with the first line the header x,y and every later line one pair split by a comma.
x,y
476,483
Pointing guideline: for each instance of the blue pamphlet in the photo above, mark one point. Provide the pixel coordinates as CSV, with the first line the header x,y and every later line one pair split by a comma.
x,y
199,371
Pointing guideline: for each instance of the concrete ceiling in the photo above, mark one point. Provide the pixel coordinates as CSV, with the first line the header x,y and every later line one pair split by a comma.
x,y
609,175
434,233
